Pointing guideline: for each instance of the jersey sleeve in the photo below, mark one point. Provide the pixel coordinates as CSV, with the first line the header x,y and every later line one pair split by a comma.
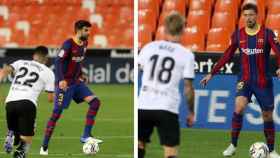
x,y
228,54
188,72
16,65
274,43
49,81
62,56
143,54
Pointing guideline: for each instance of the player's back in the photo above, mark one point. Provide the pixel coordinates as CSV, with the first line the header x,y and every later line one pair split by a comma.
x,y
30,78
164,65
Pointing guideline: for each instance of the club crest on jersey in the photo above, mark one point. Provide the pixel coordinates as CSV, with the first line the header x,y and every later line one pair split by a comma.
x,y
240,85
261,40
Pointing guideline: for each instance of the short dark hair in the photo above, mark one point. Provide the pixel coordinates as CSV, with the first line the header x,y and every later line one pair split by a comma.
x,y
174,23
250,6
41,50
81,23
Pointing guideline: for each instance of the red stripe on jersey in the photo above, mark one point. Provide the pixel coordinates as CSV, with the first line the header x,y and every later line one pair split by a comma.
x,y
260,58
245,58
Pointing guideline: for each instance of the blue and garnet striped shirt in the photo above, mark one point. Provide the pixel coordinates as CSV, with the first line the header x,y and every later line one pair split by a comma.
x,y
254,49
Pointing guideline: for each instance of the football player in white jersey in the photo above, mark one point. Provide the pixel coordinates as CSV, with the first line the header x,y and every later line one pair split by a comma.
x,y
31,77
164,64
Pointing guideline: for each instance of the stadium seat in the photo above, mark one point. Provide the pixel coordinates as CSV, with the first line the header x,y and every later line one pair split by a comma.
x,y
218,39
144,36
147,17
150,5
205,5
230,6
193,39
175,5
160,34
199,19
272,21
100,41
223,20
273,7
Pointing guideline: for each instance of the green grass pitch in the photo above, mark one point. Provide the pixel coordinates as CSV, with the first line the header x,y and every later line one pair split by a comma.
x,y
114,125
205,143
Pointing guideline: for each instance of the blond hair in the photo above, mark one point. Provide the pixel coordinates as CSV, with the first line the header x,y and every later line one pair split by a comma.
x,y
174,24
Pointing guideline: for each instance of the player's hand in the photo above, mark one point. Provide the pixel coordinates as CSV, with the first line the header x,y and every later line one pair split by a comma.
x,y
84,78
190,119
278,72
63,85
205,80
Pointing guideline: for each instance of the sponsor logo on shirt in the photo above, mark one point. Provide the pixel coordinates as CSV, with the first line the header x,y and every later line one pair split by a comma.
x,y
254,51
78,59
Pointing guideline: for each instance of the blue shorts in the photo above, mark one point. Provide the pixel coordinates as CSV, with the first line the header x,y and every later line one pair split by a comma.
x,y
77,92
264,96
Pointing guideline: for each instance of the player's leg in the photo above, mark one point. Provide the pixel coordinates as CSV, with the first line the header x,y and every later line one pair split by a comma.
x,y
145,130
56,114
241,101
12,124
26,127
62,100
169,133
94,104
265,98
82,93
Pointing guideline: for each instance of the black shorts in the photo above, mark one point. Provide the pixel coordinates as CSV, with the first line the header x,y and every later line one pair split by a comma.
x,y
21,117
167,125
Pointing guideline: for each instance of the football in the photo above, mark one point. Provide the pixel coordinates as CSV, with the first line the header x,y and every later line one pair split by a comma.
x,y
259,150
90,147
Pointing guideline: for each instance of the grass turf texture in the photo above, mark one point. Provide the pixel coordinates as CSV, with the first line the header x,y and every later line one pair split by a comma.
x,y
205,143
114,125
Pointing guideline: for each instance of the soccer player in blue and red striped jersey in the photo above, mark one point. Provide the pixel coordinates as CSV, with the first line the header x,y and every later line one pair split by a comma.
x,y
70,84
254,43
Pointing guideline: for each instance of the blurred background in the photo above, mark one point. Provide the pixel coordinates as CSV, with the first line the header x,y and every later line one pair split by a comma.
x,y
25,24
209,23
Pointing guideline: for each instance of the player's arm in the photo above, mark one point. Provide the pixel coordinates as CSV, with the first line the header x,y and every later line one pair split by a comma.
x,y
189,75
61,59
4,72
274,43
49,85
228,54
189,93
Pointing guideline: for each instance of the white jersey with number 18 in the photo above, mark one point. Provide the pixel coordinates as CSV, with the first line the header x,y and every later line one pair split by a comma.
x,y
164,65
30,78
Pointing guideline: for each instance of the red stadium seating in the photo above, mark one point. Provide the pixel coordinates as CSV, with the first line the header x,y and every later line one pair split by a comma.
x,y
51,22
272,21
199,19
223,20
193,39
218,39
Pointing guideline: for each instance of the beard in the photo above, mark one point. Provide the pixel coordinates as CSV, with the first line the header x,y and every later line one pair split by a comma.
x,y
251,24
83,38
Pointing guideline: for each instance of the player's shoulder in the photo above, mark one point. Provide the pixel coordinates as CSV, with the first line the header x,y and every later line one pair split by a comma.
x,y
68,43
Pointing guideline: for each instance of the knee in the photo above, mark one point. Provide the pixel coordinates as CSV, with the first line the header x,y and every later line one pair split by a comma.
x,y
141,145
267,116
26,139
170,152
